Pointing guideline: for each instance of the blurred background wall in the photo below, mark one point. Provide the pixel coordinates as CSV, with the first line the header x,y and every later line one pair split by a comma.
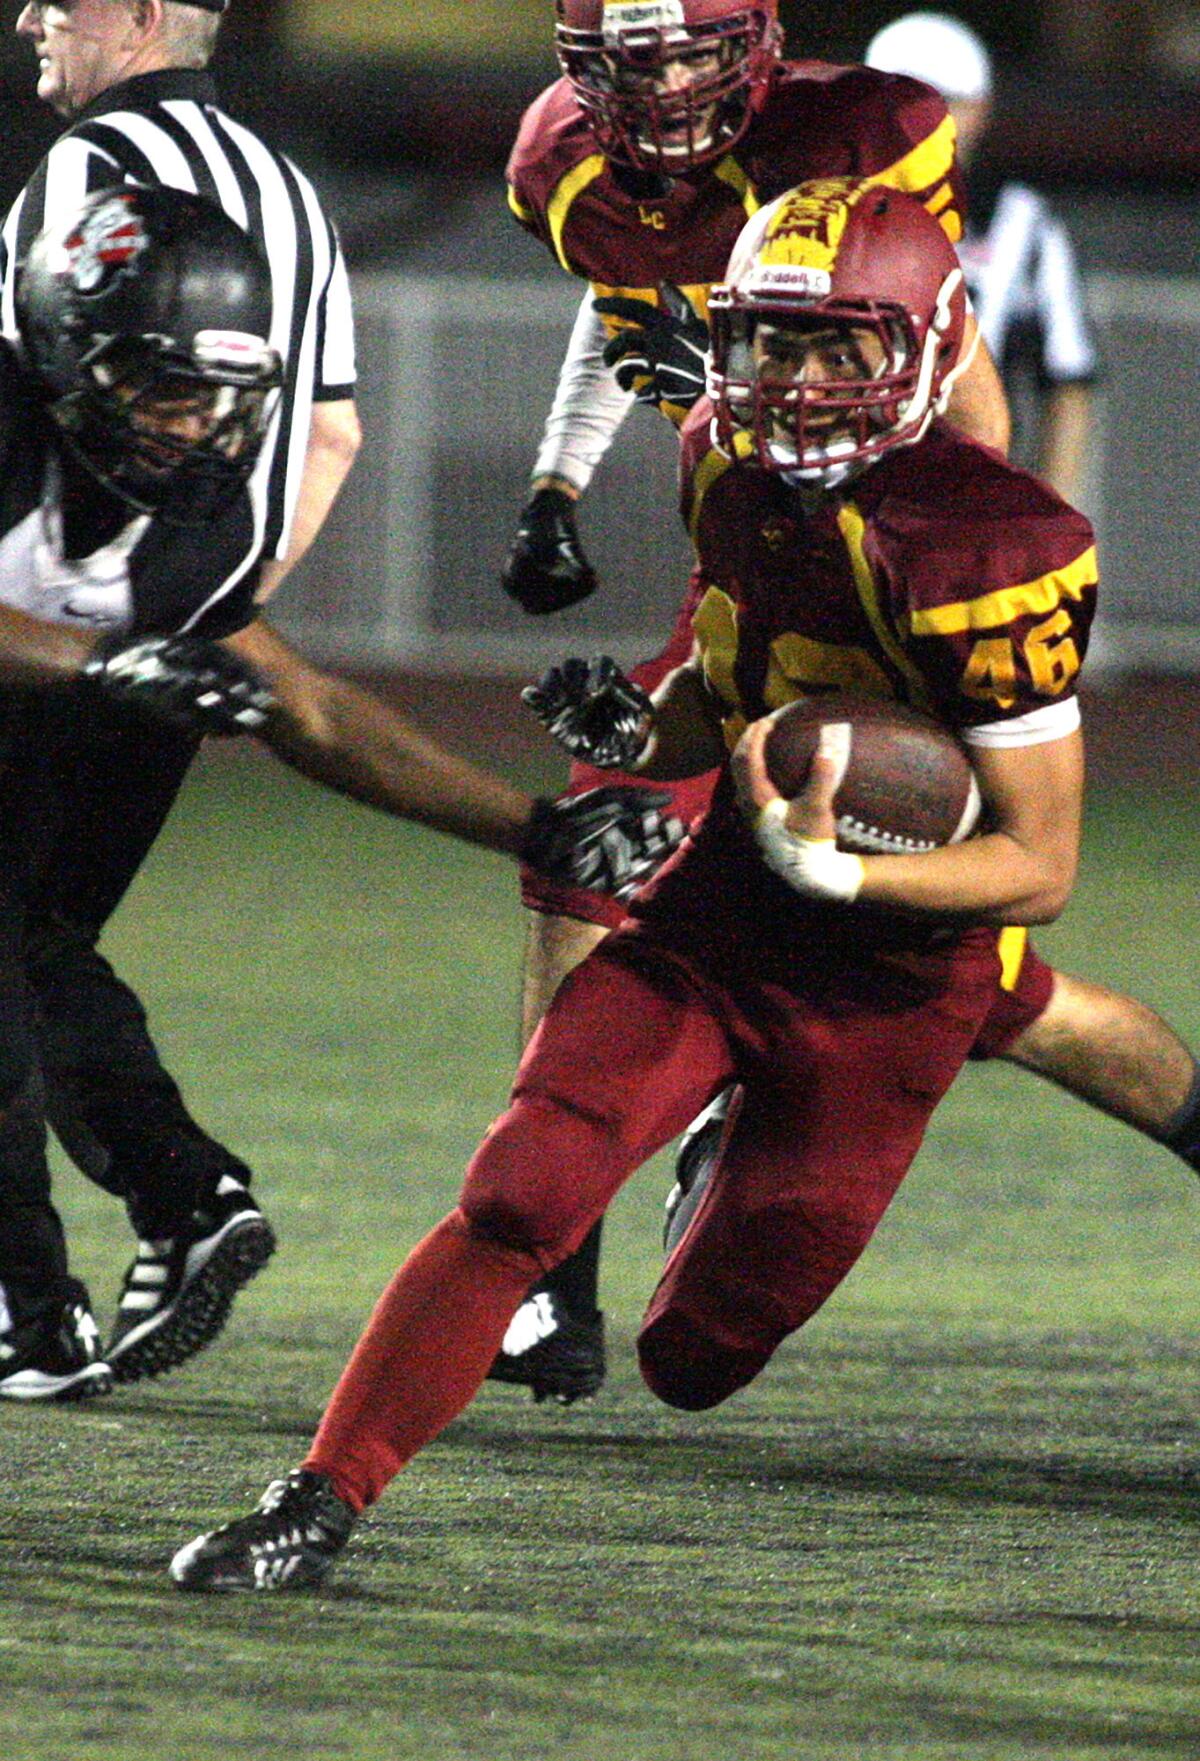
x,y
403,112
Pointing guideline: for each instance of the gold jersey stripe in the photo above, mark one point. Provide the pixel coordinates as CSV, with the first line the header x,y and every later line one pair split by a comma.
x,y
715,628
948,217
951,224
1010,945
712,466
993,610
853,528
926,164
730,172
518,207
559,205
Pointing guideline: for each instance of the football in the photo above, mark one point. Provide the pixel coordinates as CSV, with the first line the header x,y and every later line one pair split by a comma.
x,y
907,785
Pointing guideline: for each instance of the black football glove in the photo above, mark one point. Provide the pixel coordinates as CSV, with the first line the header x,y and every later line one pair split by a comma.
x,y
605,840
192,684
592,709
546,569
661,358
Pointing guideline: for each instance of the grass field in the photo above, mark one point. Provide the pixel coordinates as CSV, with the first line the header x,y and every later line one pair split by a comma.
x,y
958,1517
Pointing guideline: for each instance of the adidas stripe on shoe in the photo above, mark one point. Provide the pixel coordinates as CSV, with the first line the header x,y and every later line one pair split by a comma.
x,y
287,1543
177,1294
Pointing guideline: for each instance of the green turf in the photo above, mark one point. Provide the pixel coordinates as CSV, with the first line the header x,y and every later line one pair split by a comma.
x,y
957,1518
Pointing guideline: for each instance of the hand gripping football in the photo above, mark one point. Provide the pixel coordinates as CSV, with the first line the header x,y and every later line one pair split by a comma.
x,y
907,785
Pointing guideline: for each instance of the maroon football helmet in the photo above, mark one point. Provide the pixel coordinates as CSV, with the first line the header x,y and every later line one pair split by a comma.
x,y
844,258
668,85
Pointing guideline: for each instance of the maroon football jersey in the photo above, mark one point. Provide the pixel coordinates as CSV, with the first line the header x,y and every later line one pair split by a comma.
x,y
628,233
943,577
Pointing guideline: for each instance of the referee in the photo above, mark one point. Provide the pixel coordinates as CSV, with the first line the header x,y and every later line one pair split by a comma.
x,y
1017,258
129,78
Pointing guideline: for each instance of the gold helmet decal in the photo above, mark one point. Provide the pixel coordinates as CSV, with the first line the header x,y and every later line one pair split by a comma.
x,y
806,226
792,245
835,253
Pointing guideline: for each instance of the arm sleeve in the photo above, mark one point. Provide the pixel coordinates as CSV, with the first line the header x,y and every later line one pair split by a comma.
x,y
1069,353
589,406
336,367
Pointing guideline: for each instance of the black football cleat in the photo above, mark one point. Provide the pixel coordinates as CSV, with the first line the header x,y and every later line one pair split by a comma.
x,y
55,1358
695,1159
177,1294
557,1353
288,1543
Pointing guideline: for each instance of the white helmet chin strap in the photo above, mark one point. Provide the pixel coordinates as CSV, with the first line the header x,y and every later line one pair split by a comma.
x,y
921,403
941,320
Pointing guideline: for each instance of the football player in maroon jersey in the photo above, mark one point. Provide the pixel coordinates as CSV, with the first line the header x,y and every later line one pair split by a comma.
x,y
844,534
674,121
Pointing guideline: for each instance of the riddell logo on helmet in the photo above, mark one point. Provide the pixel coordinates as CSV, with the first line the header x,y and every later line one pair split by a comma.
x,y
789,278
623,16
104,245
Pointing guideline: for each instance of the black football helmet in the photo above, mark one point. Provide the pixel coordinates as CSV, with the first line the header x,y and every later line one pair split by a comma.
x,y
145,319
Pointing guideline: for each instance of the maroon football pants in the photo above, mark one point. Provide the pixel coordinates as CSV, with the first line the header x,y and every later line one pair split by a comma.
x,y
838,1093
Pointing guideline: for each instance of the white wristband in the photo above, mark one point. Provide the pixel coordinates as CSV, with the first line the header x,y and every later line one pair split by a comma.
x,y
813,866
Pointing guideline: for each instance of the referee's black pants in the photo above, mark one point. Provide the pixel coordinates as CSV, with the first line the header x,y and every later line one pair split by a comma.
x,y
84,791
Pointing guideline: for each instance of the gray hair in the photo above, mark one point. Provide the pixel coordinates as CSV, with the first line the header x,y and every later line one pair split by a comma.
x,y
189,33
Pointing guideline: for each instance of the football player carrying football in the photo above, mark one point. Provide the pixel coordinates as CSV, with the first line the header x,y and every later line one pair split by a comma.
x,y
847,537
676,120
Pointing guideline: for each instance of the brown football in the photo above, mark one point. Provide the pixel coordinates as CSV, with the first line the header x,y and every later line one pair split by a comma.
x,y
908,783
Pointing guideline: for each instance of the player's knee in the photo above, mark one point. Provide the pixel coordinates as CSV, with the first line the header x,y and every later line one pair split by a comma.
x,y
530,1183
687,1368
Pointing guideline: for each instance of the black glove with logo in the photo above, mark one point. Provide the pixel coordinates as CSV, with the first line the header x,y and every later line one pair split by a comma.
x,y
594,711
546,569
605,840
192,684
662,356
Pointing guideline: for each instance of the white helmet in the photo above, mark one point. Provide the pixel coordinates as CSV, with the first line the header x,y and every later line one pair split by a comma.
x,y
936,48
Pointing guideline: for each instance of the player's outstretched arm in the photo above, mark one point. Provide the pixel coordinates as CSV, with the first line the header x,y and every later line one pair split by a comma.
x,y
1066,424
342,736
1020,870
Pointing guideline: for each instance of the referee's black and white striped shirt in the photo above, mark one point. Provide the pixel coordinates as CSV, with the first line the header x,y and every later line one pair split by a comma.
x,y
1025,287
167,128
